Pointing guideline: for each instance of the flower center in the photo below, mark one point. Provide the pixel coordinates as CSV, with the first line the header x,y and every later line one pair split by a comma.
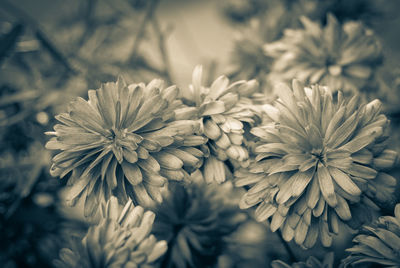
x,y
178,227
117,136
335,70
318,154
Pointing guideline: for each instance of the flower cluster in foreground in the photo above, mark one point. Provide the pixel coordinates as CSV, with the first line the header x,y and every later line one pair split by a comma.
x,y
223,110
342,57
318,161
124,141
195,219
121,239
378,243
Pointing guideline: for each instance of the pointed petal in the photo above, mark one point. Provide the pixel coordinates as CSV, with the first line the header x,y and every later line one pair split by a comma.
x,y
326,185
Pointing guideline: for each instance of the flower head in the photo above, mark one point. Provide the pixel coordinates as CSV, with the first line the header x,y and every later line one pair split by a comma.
x,y
311,262
120,239
194,220
248,60
242,10
318,162
124,141
339,56
378,243
223,109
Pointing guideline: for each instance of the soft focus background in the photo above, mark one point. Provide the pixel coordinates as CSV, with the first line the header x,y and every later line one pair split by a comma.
x,y
52,51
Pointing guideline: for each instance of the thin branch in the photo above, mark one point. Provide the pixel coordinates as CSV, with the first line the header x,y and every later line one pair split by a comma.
x,y
40,35
7,43
143,63
147,17
163,50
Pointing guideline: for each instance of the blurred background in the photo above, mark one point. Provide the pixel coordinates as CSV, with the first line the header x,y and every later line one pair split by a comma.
x,y
52,51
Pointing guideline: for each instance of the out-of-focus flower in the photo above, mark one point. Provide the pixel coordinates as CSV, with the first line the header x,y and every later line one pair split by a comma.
x,y
378,243
125,142
223,109
344,10
311,262
121,239
194,220
342,57
318,161
242,10
249,246
248,60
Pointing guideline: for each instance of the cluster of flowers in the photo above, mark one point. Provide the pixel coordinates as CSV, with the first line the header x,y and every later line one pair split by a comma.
x,y
282,45
128,141
312,160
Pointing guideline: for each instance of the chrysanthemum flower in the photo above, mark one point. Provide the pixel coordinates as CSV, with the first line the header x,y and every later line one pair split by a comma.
x,y
311,262
120,239
248,60
194,220
223,109
378,243
318,161
342,57
124,141
242,10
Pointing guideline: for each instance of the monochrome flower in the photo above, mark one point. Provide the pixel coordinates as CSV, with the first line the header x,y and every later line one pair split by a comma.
x,y
378,243
194,220
223,110
248,60
125,142
311,262
242,10
318,161
121,239
342,57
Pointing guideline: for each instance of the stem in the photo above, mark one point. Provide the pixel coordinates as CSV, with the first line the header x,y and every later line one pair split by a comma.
x,y
40,35
7,43
150,11
163,50
289,251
